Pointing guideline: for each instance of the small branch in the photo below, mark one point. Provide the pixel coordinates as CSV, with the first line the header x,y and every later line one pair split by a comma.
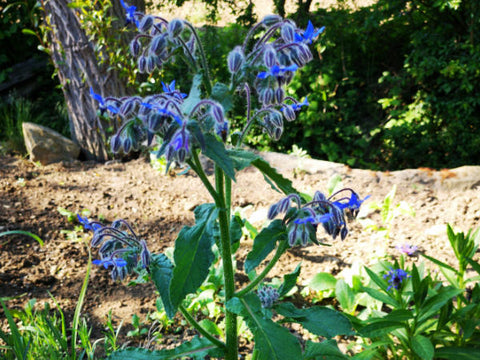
x,y
199,328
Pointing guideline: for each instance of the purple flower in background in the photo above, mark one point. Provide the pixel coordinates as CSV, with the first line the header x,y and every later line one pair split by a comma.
x,y
407,249
395,278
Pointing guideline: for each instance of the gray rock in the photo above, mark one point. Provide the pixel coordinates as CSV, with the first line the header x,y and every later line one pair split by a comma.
x,y
48,146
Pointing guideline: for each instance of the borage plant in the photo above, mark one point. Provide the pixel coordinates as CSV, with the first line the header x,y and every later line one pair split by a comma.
x,y
185,126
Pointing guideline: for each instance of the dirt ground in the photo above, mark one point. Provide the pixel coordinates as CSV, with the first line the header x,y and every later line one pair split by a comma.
x,y
159,205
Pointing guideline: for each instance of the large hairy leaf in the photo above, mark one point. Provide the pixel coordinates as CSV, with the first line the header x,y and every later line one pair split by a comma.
x,y
319,320
272,341
215,150
197,348
161,269
193,254
194,96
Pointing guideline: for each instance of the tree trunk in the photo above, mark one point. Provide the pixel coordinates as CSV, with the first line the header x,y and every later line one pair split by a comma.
x,y
78,70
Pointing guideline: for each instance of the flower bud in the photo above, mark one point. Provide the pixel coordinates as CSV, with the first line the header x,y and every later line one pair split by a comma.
x,y
175,28
158,44
115,143
288,33
145,24
127,145
142,64
279,95
289,113
271,20
235,59
217,113
135,47
127,107
270,56
266,96
151,63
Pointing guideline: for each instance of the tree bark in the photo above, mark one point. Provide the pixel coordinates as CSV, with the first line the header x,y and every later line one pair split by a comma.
x,y
78,70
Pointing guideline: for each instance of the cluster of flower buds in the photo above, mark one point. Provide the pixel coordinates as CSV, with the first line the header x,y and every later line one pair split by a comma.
x,y
267,295
302,219
279,51
162,115
119,247
157,39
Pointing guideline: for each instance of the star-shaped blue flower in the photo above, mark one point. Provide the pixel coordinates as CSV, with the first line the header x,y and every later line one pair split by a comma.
x,y
298,106
309,35
277,70
101,101
130,10
163,111
87,224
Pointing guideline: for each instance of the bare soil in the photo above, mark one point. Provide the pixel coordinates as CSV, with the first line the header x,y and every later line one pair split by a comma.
x,y
159,205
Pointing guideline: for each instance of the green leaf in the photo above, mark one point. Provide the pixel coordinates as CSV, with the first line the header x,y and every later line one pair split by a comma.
x,y
457,353
380,327
161,269
242,159
322,281
21,232
325,350
264,243
197,348
236,225
273,178
194,97
434,303
222,94
423,347
319,320
272,341
289,281
475,265
345,295
28,32
440,263
380,296
215,150
193,254
382,284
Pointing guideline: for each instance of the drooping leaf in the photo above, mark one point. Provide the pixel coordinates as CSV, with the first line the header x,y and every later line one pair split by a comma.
x,y
380,327
423,347
272,341
319,320
325,350
193,254
215,150
242,159
194,96
264,243
197,348
378,295
236,225
289,281
161,269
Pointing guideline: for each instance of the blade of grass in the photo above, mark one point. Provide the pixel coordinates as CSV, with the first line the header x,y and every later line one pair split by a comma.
x,y
21,232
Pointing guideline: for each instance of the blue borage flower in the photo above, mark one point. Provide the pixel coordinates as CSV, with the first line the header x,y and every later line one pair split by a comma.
x,y
277,71
103,104
170,90
130,13
395,278
302,219
407,249
309,35
119,247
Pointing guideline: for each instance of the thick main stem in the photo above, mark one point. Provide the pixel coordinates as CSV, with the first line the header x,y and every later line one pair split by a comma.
x,y
231,352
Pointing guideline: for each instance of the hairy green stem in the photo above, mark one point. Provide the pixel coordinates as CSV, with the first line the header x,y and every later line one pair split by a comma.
x,y
200,328
231,351
197,167
280,250
207,81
